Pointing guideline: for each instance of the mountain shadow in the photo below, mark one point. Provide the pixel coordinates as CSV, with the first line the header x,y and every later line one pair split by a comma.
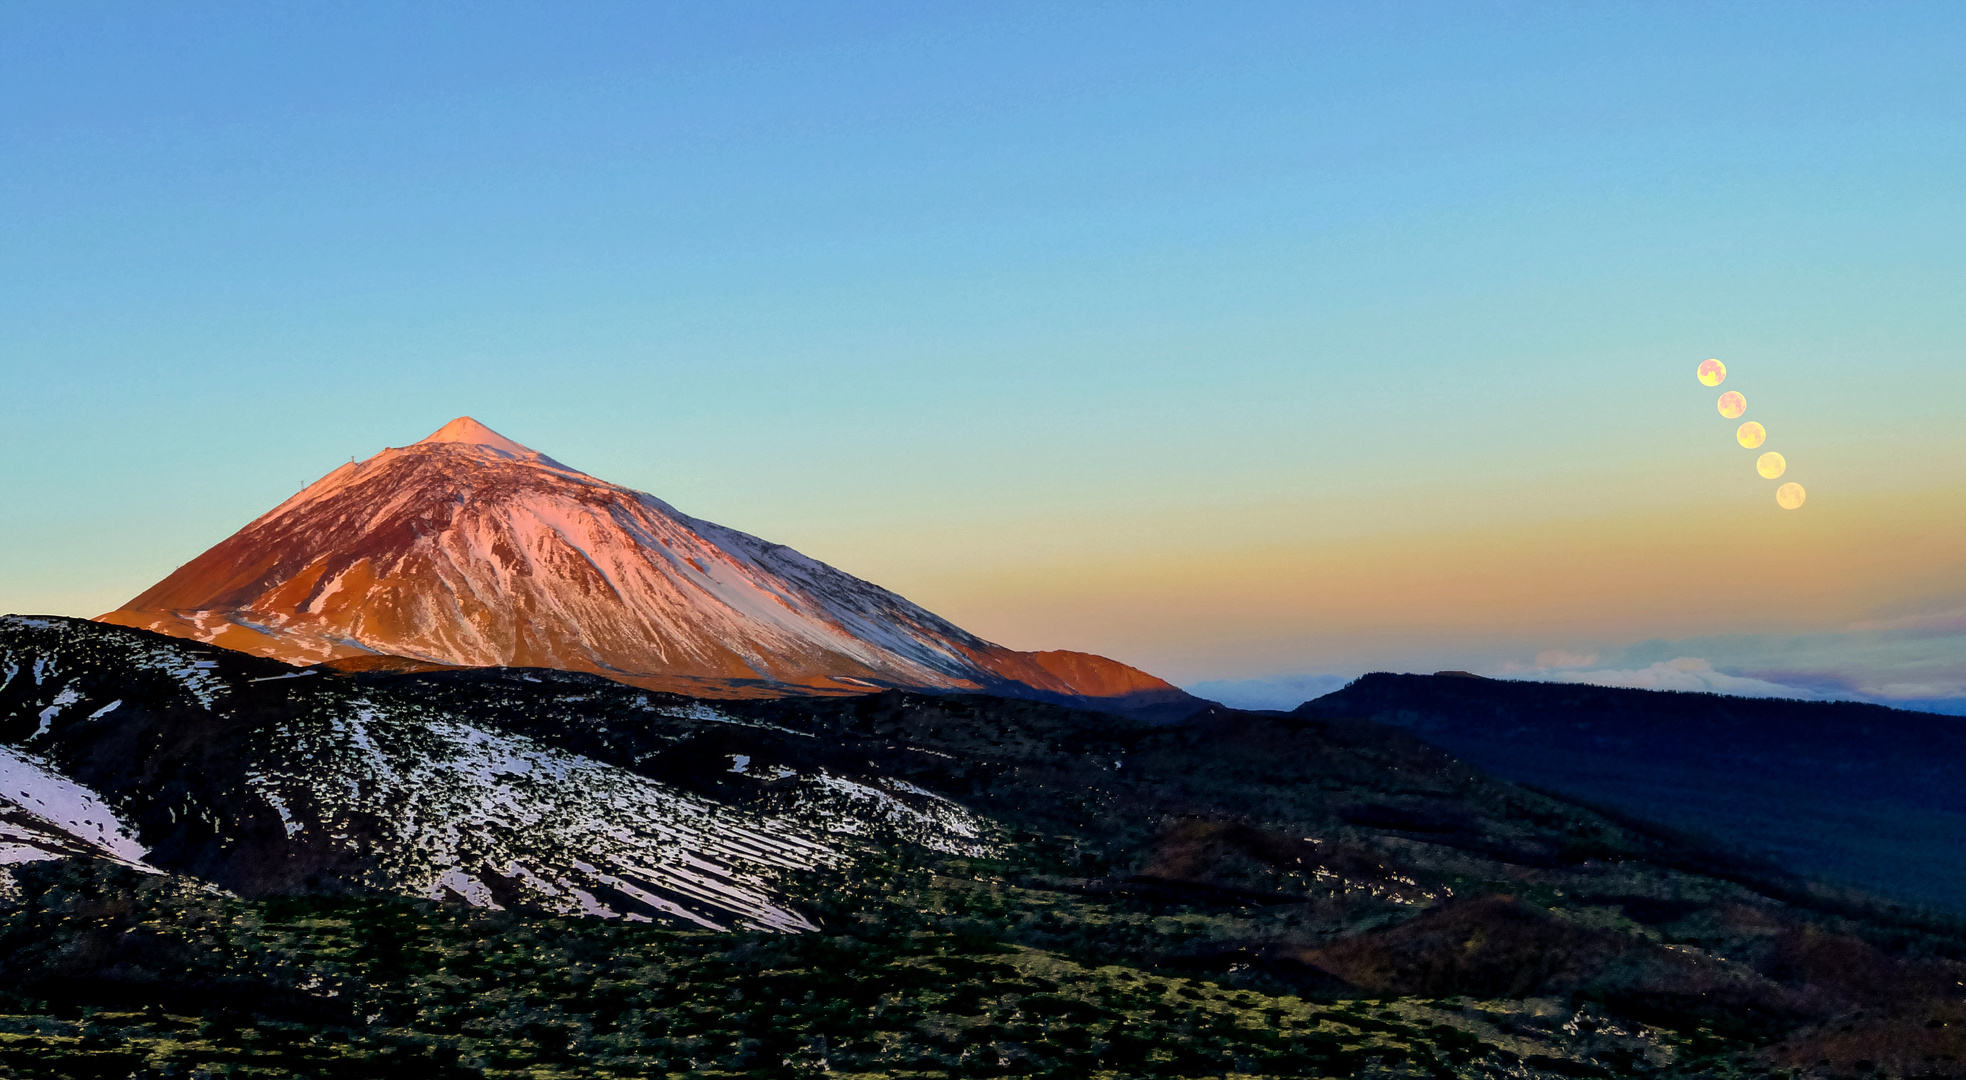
x,y
1858,793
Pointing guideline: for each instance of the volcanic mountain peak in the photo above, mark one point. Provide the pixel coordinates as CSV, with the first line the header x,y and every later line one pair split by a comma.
x,y
466,430
470,549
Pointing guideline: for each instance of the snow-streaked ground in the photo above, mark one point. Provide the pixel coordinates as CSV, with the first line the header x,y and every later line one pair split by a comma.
x,y
44,814
419,799
447,807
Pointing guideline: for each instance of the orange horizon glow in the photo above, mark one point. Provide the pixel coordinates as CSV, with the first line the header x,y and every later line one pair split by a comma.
x,y
1723,567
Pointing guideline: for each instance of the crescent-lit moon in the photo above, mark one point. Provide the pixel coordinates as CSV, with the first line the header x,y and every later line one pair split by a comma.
x,y
1732,404
1751,435
1790,495
1712,373
1770,465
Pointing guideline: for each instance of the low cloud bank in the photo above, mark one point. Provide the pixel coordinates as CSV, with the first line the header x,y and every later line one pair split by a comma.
x,y
1679,673
1277,692
1915,661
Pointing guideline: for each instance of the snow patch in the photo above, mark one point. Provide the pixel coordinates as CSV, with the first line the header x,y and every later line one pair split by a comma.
x,y
279,805
197,677
907,812
470,888
68,696
43,792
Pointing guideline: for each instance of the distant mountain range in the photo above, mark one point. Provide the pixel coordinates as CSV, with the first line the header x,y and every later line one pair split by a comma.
x,y
468,549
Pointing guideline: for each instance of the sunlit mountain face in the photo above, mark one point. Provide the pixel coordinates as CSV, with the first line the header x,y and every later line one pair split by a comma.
x,y
468,549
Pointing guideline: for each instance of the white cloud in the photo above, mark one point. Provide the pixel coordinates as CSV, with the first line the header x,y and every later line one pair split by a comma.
x,y
1277,692
1934,623
1681,673
1915,660
1920,691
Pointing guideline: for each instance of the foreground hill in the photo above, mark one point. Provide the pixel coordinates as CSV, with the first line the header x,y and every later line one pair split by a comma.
x,y
220,862
1844,790
468,549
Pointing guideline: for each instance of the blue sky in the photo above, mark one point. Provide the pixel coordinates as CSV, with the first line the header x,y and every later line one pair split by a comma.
x,y
1132,328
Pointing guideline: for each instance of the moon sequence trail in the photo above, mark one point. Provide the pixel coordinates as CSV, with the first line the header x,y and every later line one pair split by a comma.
x,y
1733,405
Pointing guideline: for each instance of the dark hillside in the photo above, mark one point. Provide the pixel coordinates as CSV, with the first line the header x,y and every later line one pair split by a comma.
x,y
1859,793
439,874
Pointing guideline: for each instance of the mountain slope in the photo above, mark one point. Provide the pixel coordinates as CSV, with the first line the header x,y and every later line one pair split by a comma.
x,y
468,549
970,862
1846,790
168,755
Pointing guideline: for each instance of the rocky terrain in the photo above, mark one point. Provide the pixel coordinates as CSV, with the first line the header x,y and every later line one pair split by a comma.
x,y
468,549
222,863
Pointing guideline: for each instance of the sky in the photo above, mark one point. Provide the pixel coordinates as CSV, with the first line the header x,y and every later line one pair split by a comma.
x,y
1258,345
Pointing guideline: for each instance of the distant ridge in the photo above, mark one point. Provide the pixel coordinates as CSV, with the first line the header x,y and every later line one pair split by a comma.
x,y
470,549
1847,790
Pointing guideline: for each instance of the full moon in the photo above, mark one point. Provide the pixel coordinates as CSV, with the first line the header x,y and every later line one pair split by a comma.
x,y
1752,435
1770,465
1732,404
1712,373
1790,495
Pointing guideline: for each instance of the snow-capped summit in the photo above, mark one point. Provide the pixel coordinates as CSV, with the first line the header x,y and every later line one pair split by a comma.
x,y
470,549
469,431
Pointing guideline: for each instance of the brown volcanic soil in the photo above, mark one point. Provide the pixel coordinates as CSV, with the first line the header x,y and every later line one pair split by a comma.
x,y
468,550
